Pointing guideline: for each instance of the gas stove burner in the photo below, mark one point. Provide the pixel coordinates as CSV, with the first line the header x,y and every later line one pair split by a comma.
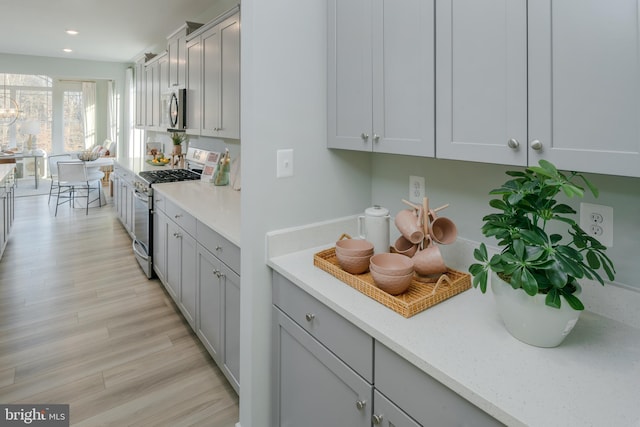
x,y
168,175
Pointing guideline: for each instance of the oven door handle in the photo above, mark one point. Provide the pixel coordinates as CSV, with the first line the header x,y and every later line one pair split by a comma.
x,y
142,255
138,195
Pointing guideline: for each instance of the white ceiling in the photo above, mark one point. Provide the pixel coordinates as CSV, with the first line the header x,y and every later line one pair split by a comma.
x,y
109,30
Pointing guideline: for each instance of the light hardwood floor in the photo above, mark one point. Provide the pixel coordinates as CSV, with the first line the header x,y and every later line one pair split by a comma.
x,y
81,324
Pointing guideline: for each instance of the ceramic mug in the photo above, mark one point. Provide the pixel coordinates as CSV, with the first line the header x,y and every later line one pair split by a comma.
x,y
405,247
442,230
409,225
429,261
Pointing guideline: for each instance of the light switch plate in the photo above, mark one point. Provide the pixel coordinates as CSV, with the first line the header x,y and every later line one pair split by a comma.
x,y
284,166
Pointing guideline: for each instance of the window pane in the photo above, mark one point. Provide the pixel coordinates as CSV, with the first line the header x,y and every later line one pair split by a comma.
x,y
73,121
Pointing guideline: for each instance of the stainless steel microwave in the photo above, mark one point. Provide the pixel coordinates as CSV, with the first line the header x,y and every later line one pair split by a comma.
x,y
176,102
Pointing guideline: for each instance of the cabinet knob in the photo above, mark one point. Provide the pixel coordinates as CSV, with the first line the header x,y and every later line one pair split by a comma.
x,y
377,419
177,235
309,317
364,136
218,273
218,248
536,144
376,137
176,216
361,404
513,143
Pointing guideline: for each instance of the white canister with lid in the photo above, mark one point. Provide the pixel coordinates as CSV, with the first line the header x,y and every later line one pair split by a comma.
x,y
374,227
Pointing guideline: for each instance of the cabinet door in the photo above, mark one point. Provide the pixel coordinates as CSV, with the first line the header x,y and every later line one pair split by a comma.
x,y
386,414
231,360
176,46
188,273
349,60
312,386
194,75
403,77
230,78
481,80
584,76
140,79
163,85
174,259
149,95
160,244
210,303
211,81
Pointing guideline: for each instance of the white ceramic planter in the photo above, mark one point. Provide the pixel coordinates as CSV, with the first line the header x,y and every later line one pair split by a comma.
x,y
528,319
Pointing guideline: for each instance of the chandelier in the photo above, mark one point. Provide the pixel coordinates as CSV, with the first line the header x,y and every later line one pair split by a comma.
x,y
8,107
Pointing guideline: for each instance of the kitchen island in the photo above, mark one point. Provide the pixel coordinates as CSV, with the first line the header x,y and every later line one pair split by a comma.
x,y
592,379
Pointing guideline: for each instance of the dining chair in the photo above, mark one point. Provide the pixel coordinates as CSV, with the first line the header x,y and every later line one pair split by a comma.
x,y
73,180
53,170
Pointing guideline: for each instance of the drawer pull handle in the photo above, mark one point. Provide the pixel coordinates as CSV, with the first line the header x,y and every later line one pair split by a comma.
x,y
218,248
218,273
361,404
176,216
177,235
377,419
309,317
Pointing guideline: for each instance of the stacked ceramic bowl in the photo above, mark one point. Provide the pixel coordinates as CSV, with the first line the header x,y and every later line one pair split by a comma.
x,y
354,255
391,272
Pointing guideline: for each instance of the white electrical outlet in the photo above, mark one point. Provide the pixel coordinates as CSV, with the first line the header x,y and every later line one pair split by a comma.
x,y
284,163
416,189
597,221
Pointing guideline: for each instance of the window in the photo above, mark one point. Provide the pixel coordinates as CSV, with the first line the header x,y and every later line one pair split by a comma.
x,y
73,126
33,94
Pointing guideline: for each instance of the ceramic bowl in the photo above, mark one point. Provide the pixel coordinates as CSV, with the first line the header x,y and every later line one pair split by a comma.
x,y
88,156
354,264
354,247
393,285
391,264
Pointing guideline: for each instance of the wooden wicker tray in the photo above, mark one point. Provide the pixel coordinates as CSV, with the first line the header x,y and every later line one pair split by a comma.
x,y
422,293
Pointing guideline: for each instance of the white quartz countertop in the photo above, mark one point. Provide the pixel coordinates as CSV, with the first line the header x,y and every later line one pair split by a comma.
x,y
592,379
218,207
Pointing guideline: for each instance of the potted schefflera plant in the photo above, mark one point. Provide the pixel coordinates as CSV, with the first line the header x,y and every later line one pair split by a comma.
x,y
534,278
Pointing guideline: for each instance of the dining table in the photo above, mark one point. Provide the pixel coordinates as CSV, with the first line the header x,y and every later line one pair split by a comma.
x,y
94,166
35,155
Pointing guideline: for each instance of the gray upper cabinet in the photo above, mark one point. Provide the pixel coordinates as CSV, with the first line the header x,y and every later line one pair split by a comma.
x,y
481,86
522,81
584,84
381,76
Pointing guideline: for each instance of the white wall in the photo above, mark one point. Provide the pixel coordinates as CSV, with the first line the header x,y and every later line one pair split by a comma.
x,y
284,106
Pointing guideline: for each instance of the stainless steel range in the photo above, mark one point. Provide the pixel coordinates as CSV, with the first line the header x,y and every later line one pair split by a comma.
x,y
143,203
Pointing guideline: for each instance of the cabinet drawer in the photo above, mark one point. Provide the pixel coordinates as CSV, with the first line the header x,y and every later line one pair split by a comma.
x,y
226,251
178,215
159,202
422,397
345,340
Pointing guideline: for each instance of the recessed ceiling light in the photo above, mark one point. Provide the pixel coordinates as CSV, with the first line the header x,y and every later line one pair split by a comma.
x,y
72,32
67,50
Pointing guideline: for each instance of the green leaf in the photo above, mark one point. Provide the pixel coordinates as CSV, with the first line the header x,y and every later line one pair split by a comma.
x,y
592,260
553,298
573,301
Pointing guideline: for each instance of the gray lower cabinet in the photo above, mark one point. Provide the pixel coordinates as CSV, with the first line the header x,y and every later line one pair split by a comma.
x,y
425,399
387,414
328,372
200,270
218,324
181,269
314,387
